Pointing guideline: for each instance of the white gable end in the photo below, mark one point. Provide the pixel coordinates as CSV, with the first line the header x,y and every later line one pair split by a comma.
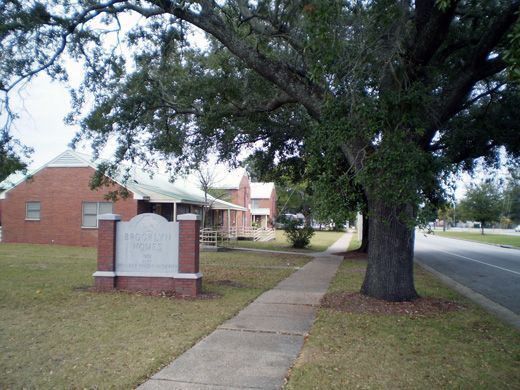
x,y
68,159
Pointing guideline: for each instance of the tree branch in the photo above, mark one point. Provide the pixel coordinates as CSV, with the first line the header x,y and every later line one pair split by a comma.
x,y
495,33
88,14
451,99
432,26
488,92
278,72
264,107
268,27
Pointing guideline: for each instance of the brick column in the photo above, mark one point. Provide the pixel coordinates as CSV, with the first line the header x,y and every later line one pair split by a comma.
x,y
106,259
189,279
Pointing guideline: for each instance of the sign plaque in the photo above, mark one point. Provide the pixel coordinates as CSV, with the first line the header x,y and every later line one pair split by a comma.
x,y
147,245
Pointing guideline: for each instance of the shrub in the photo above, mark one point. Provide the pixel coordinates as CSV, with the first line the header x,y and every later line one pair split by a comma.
x,y
299,237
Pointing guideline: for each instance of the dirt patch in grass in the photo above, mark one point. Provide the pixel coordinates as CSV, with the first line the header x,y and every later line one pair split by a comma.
x,y
356,270
352,255
82,288
361,304
227,283
162,294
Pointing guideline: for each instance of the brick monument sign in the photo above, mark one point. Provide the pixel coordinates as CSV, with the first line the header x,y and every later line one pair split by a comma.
x,y
148,253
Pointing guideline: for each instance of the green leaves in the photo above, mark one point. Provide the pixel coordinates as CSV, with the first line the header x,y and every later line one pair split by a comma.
x,y
443,5
12,155
482,203
298,236
512,53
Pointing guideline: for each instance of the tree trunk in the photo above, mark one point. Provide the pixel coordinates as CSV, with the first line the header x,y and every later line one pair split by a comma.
x,y
482,228
389,273
364,234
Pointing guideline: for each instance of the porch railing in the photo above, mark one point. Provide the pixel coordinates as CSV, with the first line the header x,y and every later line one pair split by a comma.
x,y
209,237
267,234
222,235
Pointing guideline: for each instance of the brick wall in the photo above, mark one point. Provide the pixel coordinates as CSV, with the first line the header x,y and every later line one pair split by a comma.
x,y
60,192
145,284
269,204
242,197
188,280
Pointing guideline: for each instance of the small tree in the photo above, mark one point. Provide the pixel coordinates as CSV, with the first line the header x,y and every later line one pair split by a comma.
x,y
299,237
207,178
511,198
446,213
482,204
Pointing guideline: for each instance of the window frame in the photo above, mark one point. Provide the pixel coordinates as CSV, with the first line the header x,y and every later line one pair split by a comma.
x,y
27,218
83,226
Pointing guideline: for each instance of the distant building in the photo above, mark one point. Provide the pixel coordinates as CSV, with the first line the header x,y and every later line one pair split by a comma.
x,y
237,186
55,204
263,204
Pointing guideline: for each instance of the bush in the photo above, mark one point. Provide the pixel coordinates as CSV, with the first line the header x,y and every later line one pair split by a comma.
x,y
299,237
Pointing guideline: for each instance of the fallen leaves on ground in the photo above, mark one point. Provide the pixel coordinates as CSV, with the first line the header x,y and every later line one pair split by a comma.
x,y
362,304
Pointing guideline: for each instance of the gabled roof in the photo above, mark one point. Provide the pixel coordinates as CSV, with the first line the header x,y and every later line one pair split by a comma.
x,y
155,189
71,159
261,190
228,180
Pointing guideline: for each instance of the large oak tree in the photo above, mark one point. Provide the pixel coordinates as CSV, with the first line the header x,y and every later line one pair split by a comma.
x,y
405,90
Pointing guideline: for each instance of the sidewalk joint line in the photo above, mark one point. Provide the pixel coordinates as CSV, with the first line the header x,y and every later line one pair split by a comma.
x,y
292,304
281,333
205,384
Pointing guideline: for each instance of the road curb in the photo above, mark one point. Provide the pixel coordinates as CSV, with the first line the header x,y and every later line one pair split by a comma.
x,y
494,308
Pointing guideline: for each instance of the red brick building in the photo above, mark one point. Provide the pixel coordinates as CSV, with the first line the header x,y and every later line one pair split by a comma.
x,y
55,205
263,204
238,188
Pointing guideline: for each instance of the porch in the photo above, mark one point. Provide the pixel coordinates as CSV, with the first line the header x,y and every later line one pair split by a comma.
x,y
215,237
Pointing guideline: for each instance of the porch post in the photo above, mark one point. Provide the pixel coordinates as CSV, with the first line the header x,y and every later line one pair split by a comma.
x,y
228,221
174,211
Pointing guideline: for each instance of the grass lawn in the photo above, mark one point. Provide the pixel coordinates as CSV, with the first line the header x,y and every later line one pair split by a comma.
x,y
464,349
319,242
54,333
500,239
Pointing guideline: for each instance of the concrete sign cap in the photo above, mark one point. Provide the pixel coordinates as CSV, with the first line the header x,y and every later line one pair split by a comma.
x,y
188,217
109,217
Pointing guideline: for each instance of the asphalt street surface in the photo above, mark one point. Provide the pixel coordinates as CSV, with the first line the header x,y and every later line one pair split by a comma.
x,y
487,269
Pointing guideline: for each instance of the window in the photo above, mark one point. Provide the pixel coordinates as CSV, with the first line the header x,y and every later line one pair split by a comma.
x,y
183,209
32,211
255,203
91,210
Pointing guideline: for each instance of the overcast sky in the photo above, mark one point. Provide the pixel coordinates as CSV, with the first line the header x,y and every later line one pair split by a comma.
x,y
42,105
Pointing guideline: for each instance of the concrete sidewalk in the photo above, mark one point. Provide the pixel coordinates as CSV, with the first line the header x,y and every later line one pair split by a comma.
x,y
256,348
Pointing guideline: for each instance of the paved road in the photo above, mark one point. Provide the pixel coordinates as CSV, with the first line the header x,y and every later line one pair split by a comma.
x,y
489,270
